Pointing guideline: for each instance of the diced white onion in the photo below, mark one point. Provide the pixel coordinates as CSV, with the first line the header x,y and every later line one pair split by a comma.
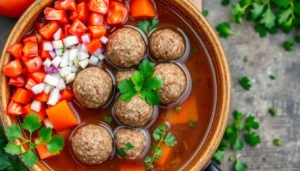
x,y
58,44
58,52
70,41
56,61
103,40
47,88
52,53
51,80
83,48
37,89
83,55
65,59
54,97
70,78
101,57
74,69
73,54
83,63
36,106
56,75
61,85
47,46
65,71
168,124
47,63
85,39
93,60
70,63
76,62
98,52
47,123
57,34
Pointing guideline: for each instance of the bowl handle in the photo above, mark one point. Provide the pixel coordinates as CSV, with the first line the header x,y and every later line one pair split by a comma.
x,y
212,167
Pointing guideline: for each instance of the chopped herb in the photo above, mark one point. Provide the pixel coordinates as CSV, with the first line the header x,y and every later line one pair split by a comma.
x,y
245,83
252,139
277,142
272,111
272,77
195,50
108,119
288,45
297,38
128,146
205,13
177,108
122,152
192,124
225,2
231,158
63,50
147,25
225,30
245,59
240,166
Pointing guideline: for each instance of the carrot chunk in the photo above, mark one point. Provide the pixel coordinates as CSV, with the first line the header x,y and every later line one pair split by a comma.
x,y
43,150
162,160
142,9
62,116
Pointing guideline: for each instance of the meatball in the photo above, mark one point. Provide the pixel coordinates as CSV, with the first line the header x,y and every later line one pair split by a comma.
x,y
166,45
125,48
92,144
92,87
135,113
122,75
174,82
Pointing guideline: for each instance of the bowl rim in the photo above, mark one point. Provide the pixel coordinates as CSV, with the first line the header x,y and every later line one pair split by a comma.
x,y
201,26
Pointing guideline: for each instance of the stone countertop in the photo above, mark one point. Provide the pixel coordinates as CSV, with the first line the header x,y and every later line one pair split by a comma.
x,y
265,56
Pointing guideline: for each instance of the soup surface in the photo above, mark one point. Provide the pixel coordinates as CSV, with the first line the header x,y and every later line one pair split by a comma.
x,y
198,106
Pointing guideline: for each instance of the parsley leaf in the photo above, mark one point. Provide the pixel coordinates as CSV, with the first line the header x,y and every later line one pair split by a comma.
x,y
29,158
268,18
153,24
192,124
31,123
272,111
138,80
128,146
261,30
63,50
245,83
277,142
288,45
297,39
107,119
245,59
240,166
127,90
205,13
45,134
238,145
252,139
282,3
284,15
13,132
257,10
225,30
225,2
146,68
147,25
251,123
238,115
152,97
170,140
12,149
153,83
4,161
218,156
272,77
55,144
122,152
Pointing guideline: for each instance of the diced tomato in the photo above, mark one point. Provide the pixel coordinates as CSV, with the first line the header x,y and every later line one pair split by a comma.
x,y
17,81
42,114
13,68
73,15
34,64
54,14
16,50
14,108
31,49
95,19
38,76
66,94
64,21
30,38
44,54
42,97
82,11
22,96
117,13
30,83
39,25
66,29
49,30
77,28
97,31
39,37
99,6
65,5
94,45
24,72
79,1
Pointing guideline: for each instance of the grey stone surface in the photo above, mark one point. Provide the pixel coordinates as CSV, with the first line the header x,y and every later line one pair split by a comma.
x,y
266,56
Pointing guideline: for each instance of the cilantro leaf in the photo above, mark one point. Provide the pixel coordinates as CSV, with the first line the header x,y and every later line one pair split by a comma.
x,y
225,2
152,97
240,166
284,15
153,83
146,68
170,140
256,10
121,152
225,30
138,80
272,111
282,3
45,134
245,83
238,115
288,45
13,132
276,142
55,144
143,25
238,145
230,135
268,18
218,156
157,151
192,124
272,77
153,23
4,161
237,11
252,139
205,13
251,123
12,149
31,123
128,146
261,30
297,39
127,90
107,119
159,132
222,146
29,158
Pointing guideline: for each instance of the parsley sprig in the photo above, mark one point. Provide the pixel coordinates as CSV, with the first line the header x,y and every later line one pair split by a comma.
x,y
160,135
122,151
147,25
242,125
143,83
31,124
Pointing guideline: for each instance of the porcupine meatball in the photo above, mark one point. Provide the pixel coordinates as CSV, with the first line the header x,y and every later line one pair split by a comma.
x,y
174,82
92,87
166,45
135,138
125,48
135,113
92,144
122,75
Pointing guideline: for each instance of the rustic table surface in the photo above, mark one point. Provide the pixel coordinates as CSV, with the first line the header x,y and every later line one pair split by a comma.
x,y
266,56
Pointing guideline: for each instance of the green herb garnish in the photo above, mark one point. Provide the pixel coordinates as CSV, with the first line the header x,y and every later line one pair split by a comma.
x,y
192,124
272,77
240,166
225,30
128,146
288,45
205,13
225,2
147,25
107,119
31,123
160,135
178,108
245,59
277,142
63,50
143,83
245,83
297,38
272,111
122,152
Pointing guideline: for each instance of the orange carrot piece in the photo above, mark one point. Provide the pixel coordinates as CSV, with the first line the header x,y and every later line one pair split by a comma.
x,y
162,160
42,114
43,151
189,111
42,97
66,94
62,116
142,9
132,167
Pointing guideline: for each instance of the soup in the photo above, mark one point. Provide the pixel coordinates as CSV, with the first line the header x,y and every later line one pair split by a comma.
x,y
189,118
